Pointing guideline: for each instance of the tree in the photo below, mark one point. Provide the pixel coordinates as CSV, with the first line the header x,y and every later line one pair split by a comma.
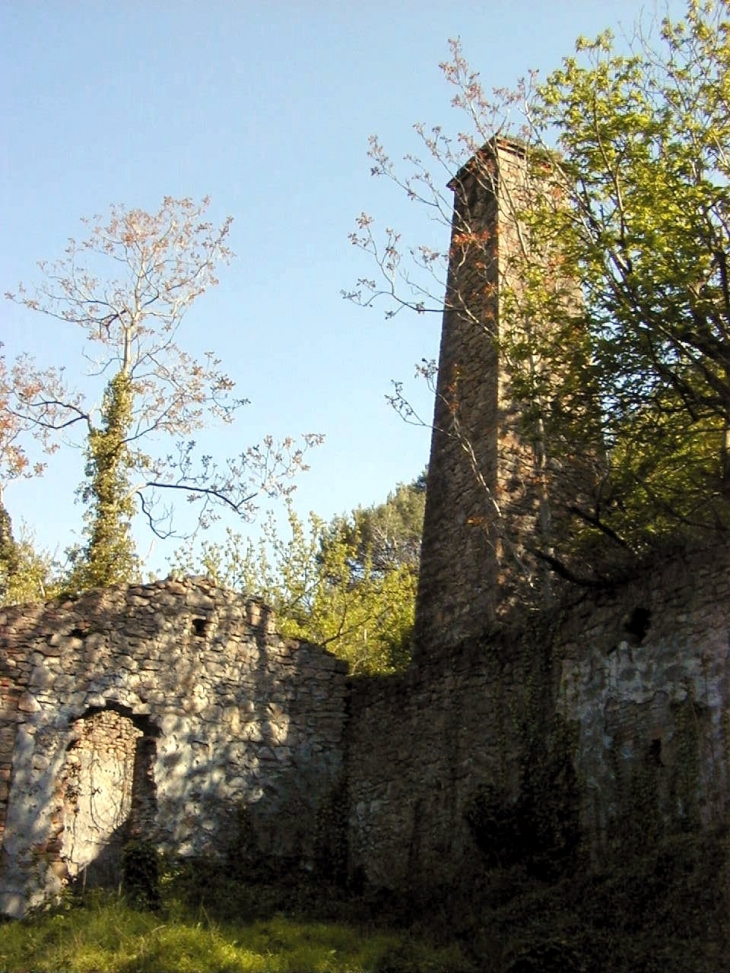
x,y
617,337
645,168
349,585
154,389
387,535
33,575
20,380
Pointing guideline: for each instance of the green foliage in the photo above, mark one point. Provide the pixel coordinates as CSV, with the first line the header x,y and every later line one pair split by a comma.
x,y
411,954
109,555
386,535
27,573
639,217
349,585
614,289
641,220
8,548
660,909
141,874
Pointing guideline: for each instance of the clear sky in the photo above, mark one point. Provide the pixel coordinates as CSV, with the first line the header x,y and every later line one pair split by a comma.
x,y
265,105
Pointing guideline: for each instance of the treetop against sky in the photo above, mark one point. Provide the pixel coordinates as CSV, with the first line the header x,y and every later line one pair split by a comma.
x,y
267,108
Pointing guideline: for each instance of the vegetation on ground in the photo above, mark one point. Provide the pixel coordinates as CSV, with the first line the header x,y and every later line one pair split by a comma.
x,y
655,911
617,351
103,933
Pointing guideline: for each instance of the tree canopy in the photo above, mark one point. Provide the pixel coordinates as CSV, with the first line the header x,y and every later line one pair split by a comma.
x,y
349,584
127,287
617,339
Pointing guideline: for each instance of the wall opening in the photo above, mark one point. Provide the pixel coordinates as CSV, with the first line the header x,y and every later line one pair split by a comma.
x,y
654,753
637,625
108,792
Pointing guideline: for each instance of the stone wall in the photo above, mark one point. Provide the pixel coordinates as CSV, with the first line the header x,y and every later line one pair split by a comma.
x,y
160,711
645,679
157,711
418,746
613,712
455,598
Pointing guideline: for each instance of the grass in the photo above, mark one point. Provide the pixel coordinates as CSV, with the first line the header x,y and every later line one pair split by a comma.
x,y
102,934
661,908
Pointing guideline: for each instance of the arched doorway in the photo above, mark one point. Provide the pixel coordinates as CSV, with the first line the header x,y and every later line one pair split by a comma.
x,y
108,792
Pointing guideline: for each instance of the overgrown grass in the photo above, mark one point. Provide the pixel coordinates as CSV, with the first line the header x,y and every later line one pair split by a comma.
x,y
103,933
661,908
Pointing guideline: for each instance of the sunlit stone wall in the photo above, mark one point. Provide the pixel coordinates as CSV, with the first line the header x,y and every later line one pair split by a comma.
x,y
156,711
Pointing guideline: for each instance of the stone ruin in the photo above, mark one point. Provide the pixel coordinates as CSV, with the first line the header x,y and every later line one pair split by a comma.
x,y
163,710
156,711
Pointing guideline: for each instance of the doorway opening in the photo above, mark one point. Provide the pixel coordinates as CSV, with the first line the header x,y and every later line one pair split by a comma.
x,y
109,793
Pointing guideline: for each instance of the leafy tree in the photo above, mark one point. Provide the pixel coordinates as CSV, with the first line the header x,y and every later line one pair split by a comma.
x,y
387,535
349,585
20,379
153,389
32,575
645,169
615,301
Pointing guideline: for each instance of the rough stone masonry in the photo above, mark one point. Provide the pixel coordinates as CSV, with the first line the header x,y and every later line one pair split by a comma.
x,y
156,711
162,710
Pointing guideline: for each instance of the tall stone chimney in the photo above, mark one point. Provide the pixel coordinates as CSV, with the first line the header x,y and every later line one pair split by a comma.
x,y
485,489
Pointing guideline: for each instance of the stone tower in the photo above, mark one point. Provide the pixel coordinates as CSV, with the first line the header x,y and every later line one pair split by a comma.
x,y
485,495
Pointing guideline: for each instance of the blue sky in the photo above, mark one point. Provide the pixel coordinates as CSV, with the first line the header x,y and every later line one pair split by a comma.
x,y
267,107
